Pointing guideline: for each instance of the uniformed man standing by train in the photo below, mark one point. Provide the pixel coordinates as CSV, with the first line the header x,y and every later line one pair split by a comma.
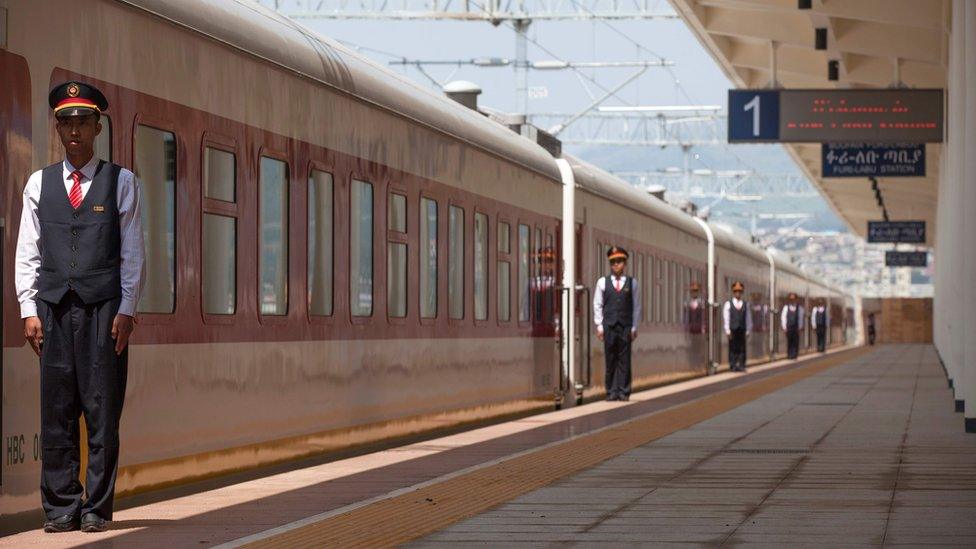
x,y
791,319
616,310
818,321
738,326
78,275
695,310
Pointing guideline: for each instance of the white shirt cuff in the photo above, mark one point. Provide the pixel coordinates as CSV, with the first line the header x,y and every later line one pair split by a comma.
x,y
28,309
633,329
599,329
127,307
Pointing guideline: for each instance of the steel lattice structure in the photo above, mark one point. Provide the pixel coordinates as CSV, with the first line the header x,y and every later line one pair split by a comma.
x,y
493,11
636,129
709,184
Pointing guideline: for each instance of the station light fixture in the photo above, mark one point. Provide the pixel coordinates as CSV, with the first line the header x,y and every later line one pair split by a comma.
x,y
820,38
833,70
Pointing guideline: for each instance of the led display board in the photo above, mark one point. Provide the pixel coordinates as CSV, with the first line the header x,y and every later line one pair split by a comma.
x,y
896,232
836,116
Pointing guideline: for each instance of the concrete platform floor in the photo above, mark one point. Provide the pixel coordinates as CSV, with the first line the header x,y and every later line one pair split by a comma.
x,y
869,453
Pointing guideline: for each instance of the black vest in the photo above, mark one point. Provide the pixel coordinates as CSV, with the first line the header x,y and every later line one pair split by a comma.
x,y
618,307
792,319
821,320
81,249
737,317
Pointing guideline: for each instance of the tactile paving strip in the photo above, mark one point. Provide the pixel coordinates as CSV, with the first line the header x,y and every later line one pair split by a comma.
x,y
409,516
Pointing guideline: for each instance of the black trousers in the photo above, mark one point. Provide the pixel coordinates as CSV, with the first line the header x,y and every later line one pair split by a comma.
x,y
737,350
792,343
616,348
821,339
80,374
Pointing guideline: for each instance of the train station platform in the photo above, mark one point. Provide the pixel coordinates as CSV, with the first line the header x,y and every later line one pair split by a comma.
x,y
857,447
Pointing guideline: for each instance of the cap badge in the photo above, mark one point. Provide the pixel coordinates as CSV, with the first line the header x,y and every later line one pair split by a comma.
x,y
73,90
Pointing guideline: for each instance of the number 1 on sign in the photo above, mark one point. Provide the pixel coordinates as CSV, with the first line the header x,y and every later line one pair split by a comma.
x,y
754,105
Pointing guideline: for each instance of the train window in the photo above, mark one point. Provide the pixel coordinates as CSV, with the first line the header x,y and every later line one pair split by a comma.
x,y
535,280
273,237
396,258
647,288
219,264
455,263
549,277
599,261
675,290
219,175
480,266
219,246
504,273
361,248
103,141
397,213
321,214
428,258
524,234
155,166
669,290
396,279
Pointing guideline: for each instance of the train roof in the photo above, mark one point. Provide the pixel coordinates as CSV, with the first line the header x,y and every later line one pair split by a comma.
x,y
265,34
602,183
732,238
784,264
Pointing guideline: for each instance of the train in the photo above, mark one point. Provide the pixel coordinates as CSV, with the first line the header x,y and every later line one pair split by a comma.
x,y
336,255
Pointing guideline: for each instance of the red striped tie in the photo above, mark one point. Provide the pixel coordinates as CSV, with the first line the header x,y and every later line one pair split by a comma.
x,y
75,195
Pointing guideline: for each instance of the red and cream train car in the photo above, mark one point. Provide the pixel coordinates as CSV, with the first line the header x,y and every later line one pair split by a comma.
x,y
335,255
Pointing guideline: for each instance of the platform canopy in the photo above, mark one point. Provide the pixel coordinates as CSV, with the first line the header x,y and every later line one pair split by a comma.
x,y
876,43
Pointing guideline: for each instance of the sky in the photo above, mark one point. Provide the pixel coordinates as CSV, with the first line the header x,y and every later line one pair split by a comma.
x,y
695,78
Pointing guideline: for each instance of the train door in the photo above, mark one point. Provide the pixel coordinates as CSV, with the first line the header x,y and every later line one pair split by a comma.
x,y
584,315
19,420
716,322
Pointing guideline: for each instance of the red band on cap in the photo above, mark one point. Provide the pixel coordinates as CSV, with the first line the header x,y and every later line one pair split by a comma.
x,y
76,102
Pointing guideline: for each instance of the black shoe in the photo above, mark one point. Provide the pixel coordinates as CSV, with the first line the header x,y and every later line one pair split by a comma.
x,y
612,398
64,523
624,398
91,522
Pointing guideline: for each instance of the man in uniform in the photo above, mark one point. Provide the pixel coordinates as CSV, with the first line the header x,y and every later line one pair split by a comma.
x,y
791,319
616,309
818,321
738,325
78,275
695,320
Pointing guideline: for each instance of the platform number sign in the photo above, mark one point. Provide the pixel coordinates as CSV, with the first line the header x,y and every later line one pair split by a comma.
x,y
753,115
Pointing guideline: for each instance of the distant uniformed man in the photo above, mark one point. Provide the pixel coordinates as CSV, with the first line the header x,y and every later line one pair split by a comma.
x,y
616,308
78,276
871,329
695,310
738,326
791,319
818,321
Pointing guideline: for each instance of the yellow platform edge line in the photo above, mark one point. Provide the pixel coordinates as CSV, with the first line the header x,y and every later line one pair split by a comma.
x,y
410,516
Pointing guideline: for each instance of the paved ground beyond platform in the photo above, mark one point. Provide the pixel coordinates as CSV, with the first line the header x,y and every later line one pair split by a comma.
x,y
867,453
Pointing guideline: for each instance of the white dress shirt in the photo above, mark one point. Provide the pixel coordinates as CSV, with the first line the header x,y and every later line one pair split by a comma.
x,y
799,315
738,304
601,285
813,316
29,246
